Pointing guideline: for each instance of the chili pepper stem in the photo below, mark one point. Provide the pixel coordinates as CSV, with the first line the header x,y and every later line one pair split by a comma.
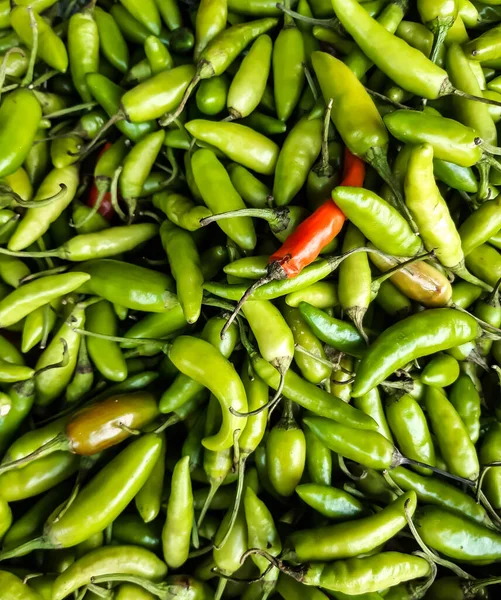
x,y
214,486
461,271
120,116
310,82
490,329
157,589
384,98
344,468
325,169
32,203
39,543
221,585
400,460
278,218
28,78
327,23
59,443
275,272
455,92
3,66
103,189
236,504
440,33
430,554
495,518
169,118
484,168
163,345
378,159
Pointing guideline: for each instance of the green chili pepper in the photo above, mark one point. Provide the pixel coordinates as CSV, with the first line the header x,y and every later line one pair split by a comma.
x,y
431,490
322,294
297,156
15,588
147,14
183,387
239,143
441,371
439,233
31,522
227,558
410,428
210,21
51,48
211,178
331,502
490,451
61,185
227,387
106,355
456,537
288,73
37,478
352,538
211,95
273,335
459,146
83,49
392,301
318,460
262,533
83,377
312,369
131,529
20,115
452,435
248,85
387,229
371,405
390,18
177,530
338,334
286,453
51,384
186,268
473,114
109,96
84,516
481,225
354,286
418,335
362,575
485,263
111,41
138,164
103,561
352,99
130,285
34,294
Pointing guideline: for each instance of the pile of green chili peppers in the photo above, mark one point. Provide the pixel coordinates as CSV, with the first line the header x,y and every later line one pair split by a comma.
x,y
337,434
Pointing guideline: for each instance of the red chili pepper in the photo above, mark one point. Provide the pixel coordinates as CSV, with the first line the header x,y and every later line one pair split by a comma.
x,y
106,209
304,245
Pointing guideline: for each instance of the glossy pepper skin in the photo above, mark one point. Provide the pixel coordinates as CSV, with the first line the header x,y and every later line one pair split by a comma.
x,y
418,335
345,540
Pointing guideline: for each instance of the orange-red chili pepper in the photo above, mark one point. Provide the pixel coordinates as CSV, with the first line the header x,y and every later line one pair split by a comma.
x,y
303,246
